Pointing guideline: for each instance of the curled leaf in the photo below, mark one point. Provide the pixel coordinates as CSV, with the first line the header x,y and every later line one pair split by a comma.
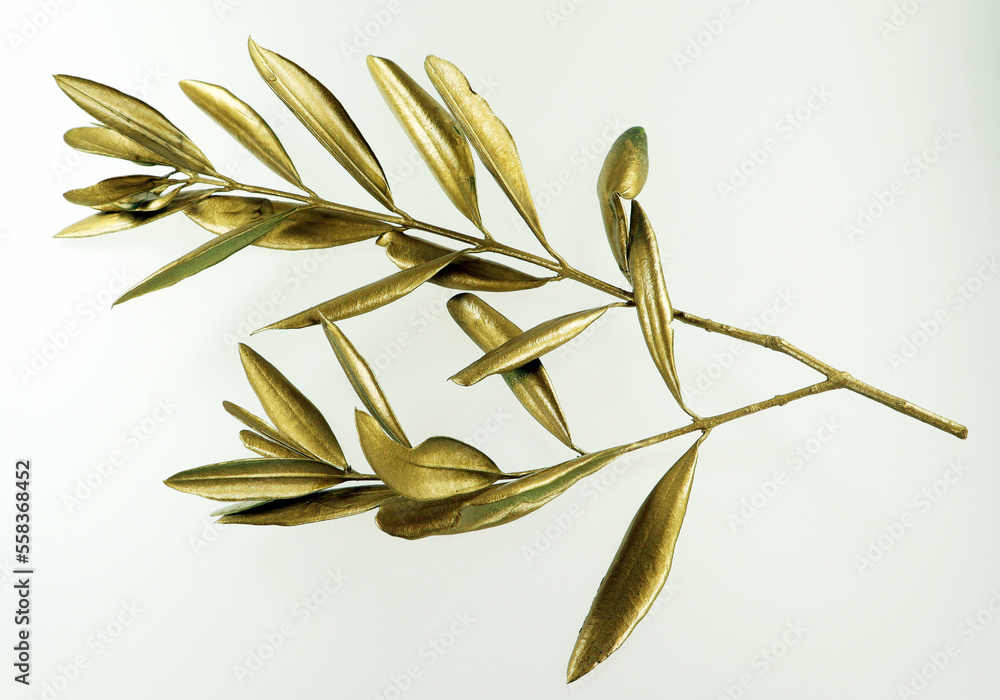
x,y
316,507
137,121
530,345
639,569
362,378
110,222
201,258
369,297
291,412
435,134
266,447
102,141
489,136
489,329
622,176
244,124
468,273
412,519
321,113
652,304
256,479
439,467
304,227
114,189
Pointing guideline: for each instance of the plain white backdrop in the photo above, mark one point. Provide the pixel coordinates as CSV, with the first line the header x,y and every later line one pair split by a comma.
x,y
827,172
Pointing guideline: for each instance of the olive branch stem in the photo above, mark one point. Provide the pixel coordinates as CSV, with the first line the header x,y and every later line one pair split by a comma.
x,y
835,378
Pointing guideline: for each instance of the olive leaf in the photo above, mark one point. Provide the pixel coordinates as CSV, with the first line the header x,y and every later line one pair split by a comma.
x,y
638,570
204,256
316,507
304,228
259,425
652,304
266,447
489,136
434,132
244,124
290,411
412,519
256,479
622,176
113,221
527,346
137,121
362,378
366,298
107,192
439,467
324,115
102,141
469,273
489,329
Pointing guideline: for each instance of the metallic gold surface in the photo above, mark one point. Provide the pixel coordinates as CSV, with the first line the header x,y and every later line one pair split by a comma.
x,y
266,447
313,508
256,479
622,176
102,141
114,221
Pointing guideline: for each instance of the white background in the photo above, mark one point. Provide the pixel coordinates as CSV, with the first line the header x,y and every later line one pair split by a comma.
x,y
566,78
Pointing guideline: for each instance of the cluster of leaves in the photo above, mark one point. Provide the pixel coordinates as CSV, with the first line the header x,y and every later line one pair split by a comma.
x,y
442,485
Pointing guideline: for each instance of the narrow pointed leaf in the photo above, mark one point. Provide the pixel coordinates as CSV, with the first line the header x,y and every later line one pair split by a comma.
x,y
639,569
102,141
530,345
290,411
255,423
244,124
266,447
111,222
201,258
321,113
304,228
433,131
489,136
439,467
412,519
371,296
114,189
362,378
326,505
489,329
622,176
256,479
237,507
652,304
468,273
136,120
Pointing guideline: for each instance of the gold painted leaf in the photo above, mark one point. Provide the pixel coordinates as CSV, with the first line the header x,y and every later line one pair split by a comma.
x,y
366,298
238,506
116,188
489,136
468,273
412,519
652,304
639,569
291,412
362,378
136,120
321,113
102,141
244,124
255,423
201,258
530,345
110,222
439,467
304,228
256,479
266,447
489,329
326,505
622,176
434,132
